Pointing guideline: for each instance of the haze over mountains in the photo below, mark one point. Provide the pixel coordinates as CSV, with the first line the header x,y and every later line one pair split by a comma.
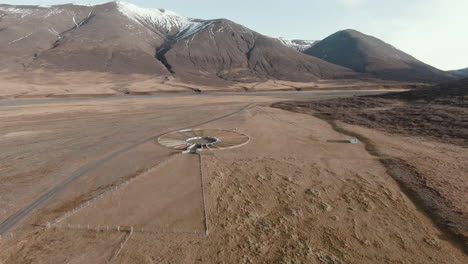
x,y
120,37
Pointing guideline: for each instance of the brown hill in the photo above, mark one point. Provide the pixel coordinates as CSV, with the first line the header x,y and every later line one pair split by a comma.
x,y
123,38
78,38
230,51
367,54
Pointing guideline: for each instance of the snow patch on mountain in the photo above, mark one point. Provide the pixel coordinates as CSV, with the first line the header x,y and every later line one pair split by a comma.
x,y
178,25
166,19
23,12
297,44
191,28
19,39
84,4
53,11
46,11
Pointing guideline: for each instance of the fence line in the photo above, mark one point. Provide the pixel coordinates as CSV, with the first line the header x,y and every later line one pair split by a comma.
x,y
110,190
55,222
203,195
119,228
121,246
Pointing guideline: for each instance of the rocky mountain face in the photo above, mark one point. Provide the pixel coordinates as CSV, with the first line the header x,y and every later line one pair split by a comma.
x,y
367,54
123,38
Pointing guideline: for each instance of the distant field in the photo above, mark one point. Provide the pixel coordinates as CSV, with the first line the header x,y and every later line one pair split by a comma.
x,y
296,193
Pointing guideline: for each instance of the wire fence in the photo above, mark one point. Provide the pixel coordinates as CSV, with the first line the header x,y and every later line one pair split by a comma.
x,y
122,228
203,195
121,246
110,190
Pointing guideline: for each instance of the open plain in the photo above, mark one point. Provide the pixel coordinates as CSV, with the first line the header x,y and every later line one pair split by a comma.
x,y
296,193
135,134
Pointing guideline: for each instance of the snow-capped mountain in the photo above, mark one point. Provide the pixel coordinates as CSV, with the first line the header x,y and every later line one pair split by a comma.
x,y
170,22
124,38
173,23
297,44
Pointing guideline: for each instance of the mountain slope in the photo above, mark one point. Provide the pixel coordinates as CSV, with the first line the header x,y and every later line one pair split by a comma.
x,y
463,73
233,52
123,38
367,54
82,38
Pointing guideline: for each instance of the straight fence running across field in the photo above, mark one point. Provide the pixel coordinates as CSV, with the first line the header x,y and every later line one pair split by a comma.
x,y
131,229
203,194
111,190
55,222
121,246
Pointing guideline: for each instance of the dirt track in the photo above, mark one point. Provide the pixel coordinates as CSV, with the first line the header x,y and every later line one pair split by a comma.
x,y
293,194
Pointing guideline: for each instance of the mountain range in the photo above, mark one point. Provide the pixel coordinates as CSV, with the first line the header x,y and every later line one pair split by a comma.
x,y
123,38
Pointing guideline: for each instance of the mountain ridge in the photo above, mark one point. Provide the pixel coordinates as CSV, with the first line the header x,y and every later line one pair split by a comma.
x,y
460,72
124,38
121,37
367,54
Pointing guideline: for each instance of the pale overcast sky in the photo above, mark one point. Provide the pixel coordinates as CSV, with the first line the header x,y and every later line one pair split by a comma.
x,y
434,31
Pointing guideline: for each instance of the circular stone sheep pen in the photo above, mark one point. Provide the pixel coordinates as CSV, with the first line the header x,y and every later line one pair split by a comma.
x,y
194,140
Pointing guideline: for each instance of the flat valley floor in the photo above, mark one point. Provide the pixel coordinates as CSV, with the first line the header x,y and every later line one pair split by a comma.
x,y
296,193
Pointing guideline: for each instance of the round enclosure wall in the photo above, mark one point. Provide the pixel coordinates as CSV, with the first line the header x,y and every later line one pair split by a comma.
x,y
203,138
